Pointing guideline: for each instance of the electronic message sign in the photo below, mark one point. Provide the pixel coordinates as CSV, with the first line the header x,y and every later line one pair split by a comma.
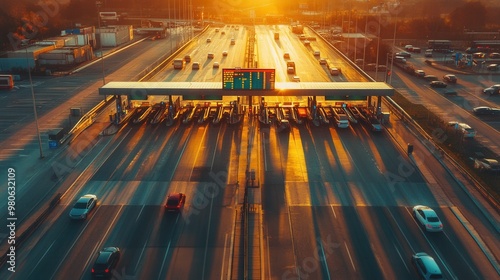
x,y
248,79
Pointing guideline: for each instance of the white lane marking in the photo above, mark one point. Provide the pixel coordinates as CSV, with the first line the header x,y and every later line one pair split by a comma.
x,y
223,258
401,257
29,276
206,239
350,258
323,259
333,210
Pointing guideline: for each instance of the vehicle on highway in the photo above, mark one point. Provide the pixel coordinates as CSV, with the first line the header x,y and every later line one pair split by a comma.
x,y
450,78
224,53
416,50
302,37
492,67
487,164
175,201
322,61
478,55
6,82
431,78
210,55
216,30
83,206
286,55
223,33
209,40
428,53
334,71
409,48
296,79
216,65
438,84
317,53
196,65
307,43
486,111
290,67
187,58
233,41
494,55
464,128
400,59
450,92
419,73
106,262
427,218
178,63
494,89
426,266
404,54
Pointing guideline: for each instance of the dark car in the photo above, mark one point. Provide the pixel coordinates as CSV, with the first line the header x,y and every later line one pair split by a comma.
x,y
105,263
492,67
175,201
494,89
486,111
404,54
450,78
431,78
438,84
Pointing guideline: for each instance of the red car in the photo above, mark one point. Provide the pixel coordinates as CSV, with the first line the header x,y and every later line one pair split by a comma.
x,y
175,201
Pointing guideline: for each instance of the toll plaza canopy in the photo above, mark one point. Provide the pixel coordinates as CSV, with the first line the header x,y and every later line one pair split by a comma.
x,y
280,89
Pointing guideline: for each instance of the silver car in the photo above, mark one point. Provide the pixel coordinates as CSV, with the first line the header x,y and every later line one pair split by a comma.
x,y
427,218
83,206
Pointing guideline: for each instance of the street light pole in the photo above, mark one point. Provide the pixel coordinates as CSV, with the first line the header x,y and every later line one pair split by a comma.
x,y
98,3
34,105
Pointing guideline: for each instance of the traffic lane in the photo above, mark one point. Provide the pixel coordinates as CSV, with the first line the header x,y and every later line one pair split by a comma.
x,y
62,239
164,147
87,244
459,249
199,50
276,220
192,244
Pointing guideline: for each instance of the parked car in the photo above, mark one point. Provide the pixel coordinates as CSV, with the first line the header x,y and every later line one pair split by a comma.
x,y
450,78
450,92
106,262
431,78
426,266
494,55
486,111
419,73
478,55
438,84
492,67
83,206
494,89
404,54
427,218
175,201
487,164
464,128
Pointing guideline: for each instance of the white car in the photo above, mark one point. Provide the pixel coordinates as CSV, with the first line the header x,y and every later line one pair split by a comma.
x,y
494,89
487,164
83,206
427,218
296,78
